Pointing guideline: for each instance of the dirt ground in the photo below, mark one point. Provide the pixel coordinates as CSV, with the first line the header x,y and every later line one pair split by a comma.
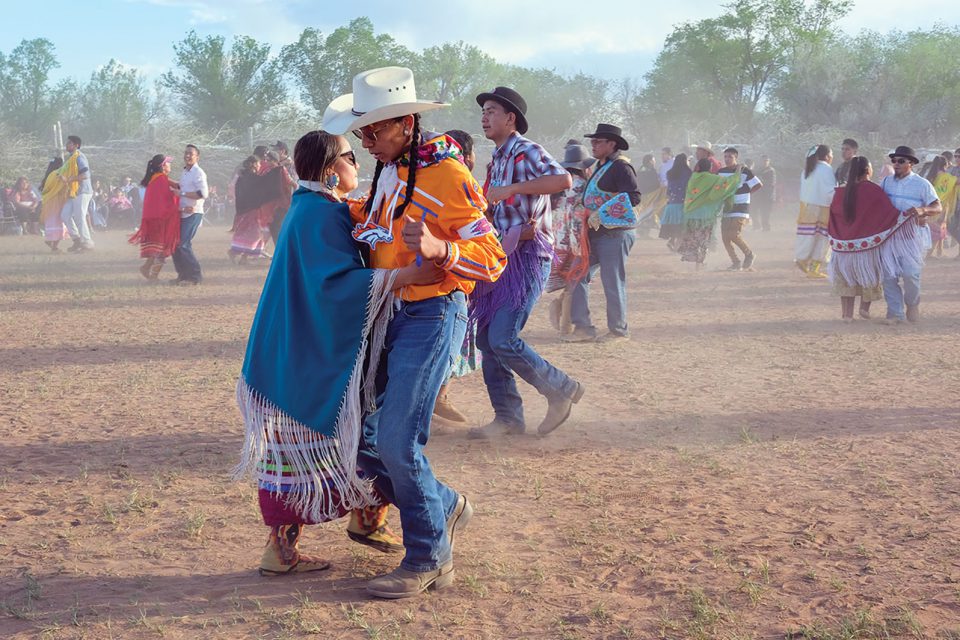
x,y
746,466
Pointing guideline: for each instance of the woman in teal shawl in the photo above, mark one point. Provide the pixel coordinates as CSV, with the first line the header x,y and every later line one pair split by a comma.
x,y
706,193
313,347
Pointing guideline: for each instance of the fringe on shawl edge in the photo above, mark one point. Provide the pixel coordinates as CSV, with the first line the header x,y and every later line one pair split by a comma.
x,y
868,268
331,461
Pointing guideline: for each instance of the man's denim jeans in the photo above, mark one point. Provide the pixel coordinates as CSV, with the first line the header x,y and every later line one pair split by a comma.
x,y
505,353
909,294
417,359
185,262
608,253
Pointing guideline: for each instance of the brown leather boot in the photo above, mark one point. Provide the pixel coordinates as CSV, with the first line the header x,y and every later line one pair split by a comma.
x,y
281,555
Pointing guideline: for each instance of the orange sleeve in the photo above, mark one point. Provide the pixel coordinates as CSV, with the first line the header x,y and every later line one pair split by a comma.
x,y
474,252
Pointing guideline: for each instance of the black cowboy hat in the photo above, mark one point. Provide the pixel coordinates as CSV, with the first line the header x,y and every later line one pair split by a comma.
x,y
905,152
609,132
575,156
511,101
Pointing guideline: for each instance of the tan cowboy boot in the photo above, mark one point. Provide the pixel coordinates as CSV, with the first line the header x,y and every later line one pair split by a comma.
x,y
281,555
155,270
803,265
369,526
401,583
445,409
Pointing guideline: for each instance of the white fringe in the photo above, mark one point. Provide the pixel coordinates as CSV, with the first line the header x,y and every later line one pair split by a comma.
x,y
868,268
317,459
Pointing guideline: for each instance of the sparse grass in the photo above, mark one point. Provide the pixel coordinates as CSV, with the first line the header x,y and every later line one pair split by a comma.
x,y
193,526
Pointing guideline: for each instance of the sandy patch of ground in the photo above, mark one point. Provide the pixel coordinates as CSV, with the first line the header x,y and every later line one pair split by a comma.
x,y
746,466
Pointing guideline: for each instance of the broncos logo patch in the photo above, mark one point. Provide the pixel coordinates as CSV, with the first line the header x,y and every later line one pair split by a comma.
x,y
372,233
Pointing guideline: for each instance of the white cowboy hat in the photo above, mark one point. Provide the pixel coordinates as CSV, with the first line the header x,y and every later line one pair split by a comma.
x,y
378,94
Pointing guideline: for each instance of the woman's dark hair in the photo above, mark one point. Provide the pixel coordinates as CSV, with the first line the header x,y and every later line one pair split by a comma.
x,y
820,153
680,168
939,164
75,140
411,174
249,163
21,180
55,164
859,165
313,154
703,166
462,138
648,162
154,166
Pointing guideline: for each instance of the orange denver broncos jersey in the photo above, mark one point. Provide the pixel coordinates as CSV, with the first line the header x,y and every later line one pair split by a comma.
x,y
448,198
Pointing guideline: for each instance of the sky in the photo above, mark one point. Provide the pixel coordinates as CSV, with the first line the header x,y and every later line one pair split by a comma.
x,y
621,42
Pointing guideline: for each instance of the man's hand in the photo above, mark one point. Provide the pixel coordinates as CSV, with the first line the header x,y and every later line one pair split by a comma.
x,y
529,231
417,237
498,194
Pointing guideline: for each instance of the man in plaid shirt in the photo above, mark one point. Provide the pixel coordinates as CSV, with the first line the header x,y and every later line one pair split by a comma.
x,y
520,179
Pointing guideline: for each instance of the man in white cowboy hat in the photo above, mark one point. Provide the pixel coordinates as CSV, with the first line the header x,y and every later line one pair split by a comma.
x,y
705,150
912,195
609,247
424,206
521,177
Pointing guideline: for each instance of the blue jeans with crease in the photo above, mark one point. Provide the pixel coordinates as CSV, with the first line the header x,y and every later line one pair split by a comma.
x,y
416,360
609,249
506,353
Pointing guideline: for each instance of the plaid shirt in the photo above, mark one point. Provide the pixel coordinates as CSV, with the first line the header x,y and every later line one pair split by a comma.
x,y
520,160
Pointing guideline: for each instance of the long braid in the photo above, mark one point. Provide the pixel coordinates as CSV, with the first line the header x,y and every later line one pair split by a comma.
x,y
368,205
412,172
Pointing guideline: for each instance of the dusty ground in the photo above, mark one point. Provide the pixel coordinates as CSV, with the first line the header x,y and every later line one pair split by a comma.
x,y
745,467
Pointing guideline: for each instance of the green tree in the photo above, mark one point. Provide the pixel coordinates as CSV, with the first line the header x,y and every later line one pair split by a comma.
x,y
723,68
217,87
324,66
114,104
455,73
27,100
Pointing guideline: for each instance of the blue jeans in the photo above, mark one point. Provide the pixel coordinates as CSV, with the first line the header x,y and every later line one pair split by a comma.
x,y
608,253
417,359
505,353
184,261
910,294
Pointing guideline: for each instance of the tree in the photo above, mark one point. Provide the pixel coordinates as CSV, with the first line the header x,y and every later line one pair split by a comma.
x,y
27,101
114,104
724,67
455,73
216,87
324,66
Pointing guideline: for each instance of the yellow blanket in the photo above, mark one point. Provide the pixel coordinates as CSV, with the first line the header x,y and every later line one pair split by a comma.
x,y
56,192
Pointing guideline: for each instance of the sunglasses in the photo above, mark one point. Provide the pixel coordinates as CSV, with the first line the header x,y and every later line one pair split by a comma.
x,y
350,157
370,132
902,161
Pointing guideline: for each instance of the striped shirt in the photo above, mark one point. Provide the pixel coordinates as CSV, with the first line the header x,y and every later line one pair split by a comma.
x,y
741,198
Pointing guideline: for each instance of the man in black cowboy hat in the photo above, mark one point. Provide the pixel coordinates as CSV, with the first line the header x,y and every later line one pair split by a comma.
x,y
912,195
609,247
520,177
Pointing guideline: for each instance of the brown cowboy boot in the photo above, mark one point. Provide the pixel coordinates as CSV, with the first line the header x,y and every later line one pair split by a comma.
x,y
281,555
369,526
155,270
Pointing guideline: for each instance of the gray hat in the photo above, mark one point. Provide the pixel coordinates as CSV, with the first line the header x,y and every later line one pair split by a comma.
x,y
575,157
